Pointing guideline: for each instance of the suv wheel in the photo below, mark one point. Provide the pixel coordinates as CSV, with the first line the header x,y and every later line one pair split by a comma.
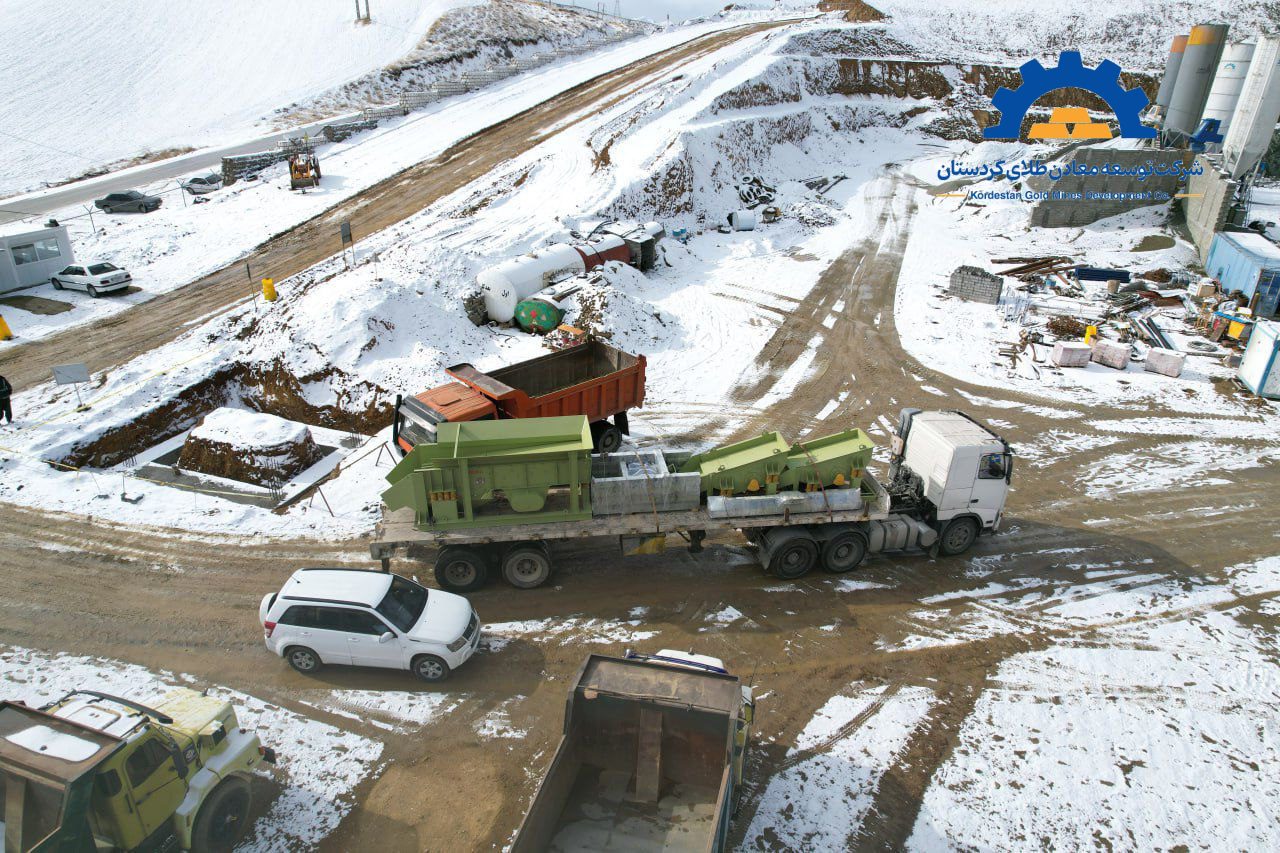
x,y
223,817
303,659
430,668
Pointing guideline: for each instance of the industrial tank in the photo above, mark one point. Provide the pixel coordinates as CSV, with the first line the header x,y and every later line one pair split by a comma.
x,y
1171,66
1227,84
1257,111
1195,77
515,280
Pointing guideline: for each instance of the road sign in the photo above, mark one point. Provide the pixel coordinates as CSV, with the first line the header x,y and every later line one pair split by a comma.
x,y
345,230
70,374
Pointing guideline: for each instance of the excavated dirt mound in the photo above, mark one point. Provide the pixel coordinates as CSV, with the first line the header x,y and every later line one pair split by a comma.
x,y
250,447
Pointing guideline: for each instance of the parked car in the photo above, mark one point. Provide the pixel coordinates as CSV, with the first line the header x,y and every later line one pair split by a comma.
x,y
129,201
368,618
203,184
95,279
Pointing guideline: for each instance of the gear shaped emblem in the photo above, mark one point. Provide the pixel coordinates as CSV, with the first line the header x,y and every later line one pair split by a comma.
x,y
1037,81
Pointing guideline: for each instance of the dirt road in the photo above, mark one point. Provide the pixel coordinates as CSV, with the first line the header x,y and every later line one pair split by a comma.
x,y
123,336
903,622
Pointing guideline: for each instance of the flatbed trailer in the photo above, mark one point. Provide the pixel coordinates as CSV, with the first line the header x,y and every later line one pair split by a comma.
x,y
950,476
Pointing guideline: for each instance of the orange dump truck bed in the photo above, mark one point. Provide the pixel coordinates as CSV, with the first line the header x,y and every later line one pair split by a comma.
x,y
592,379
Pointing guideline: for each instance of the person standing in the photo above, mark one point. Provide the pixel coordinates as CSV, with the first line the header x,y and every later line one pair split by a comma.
x,y
6,391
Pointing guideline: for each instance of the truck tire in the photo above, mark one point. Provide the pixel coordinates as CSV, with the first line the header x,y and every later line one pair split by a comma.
x,y
606,437
843,552
461,570
303,659
527,566
430,668
958,536
792,558
223,817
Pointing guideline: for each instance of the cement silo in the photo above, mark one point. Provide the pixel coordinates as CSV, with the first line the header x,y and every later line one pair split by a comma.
x,y
1195,77
1227,84
1171,66
1257,111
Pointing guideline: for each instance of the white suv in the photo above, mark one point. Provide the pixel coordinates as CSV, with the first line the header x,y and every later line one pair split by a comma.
x,y
368,618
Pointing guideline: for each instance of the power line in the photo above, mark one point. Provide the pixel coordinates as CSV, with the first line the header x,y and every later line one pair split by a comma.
x,y
43,145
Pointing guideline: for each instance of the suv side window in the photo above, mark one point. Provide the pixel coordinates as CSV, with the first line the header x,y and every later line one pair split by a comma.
x,y
360,622
144,761
301,615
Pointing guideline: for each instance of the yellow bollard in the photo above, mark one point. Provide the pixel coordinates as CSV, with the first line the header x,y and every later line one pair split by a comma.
x,y
1090,332
269,289
5,334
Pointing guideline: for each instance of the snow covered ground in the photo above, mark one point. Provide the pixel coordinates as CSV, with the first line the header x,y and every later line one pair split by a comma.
x,y
154,76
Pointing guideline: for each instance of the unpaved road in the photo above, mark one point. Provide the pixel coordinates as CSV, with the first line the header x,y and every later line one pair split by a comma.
x,y
123,336
179,605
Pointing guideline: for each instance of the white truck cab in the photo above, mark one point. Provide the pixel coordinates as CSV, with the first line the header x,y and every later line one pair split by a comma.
x,y
955,469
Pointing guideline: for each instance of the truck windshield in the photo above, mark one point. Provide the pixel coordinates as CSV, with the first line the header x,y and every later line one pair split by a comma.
x,y
403,604
418,424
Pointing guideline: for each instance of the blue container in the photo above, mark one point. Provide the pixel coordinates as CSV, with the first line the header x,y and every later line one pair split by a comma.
x,y
1100,274
1249,263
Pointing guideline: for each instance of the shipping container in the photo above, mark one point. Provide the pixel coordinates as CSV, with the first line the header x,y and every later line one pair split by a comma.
x,y
1249,263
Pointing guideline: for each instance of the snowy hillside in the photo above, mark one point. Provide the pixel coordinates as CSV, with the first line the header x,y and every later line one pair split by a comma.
x,y
1136,33
84,90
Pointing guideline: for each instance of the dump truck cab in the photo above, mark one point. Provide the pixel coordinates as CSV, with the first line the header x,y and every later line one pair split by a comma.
x,y
651,757
418,417
98,772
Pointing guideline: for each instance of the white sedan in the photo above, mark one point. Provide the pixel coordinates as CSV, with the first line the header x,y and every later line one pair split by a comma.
x,y
95,279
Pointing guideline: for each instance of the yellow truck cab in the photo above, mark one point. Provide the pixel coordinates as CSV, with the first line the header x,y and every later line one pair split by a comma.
x,y
98,772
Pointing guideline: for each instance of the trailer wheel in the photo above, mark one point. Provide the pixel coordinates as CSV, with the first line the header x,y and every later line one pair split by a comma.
x,y
958,536
843,553
223,817
606,437
526,566
793,558
461,570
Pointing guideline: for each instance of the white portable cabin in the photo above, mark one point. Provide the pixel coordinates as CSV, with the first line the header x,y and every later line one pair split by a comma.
x,y
953,456
1259,371
31,256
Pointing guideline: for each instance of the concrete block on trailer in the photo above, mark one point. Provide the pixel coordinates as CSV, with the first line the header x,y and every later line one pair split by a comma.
x,y
1166,362
1066,354
1111,354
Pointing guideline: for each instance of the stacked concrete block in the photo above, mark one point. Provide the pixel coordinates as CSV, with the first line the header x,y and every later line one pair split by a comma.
x,y
975,284
1166,362
1071,355
1111,354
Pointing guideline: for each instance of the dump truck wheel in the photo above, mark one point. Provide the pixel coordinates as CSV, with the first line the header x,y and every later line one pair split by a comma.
x,y
526,566
958,536
223,817
303,659
606,437
794,558
843,553
461,570
430,668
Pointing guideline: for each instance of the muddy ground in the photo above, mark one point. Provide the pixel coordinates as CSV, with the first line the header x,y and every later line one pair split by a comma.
x,y
168,603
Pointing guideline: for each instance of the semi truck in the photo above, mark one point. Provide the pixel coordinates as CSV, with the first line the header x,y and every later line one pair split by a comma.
x,y
592,379
948,479
98,772
650,758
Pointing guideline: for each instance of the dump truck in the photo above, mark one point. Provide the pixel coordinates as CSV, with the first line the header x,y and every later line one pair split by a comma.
x,y
650,758
948,479
98,772
591,379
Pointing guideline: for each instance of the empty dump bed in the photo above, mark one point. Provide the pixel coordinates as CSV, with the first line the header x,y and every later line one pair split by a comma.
x,y
644,763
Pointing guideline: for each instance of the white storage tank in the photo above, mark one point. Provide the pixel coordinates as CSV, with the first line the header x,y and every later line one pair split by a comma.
x,y
510,282
1227,84
1257,111
1195,77
1260,366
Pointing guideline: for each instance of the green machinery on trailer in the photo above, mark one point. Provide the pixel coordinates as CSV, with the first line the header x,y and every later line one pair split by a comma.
x,y
480,472
767,464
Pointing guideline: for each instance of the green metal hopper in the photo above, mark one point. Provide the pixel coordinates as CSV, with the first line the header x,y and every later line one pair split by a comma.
x,y
481,472
832,461
753,466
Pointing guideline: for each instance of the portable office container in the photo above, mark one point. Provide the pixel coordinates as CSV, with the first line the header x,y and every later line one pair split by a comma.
x,y
1259,370
1249,263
